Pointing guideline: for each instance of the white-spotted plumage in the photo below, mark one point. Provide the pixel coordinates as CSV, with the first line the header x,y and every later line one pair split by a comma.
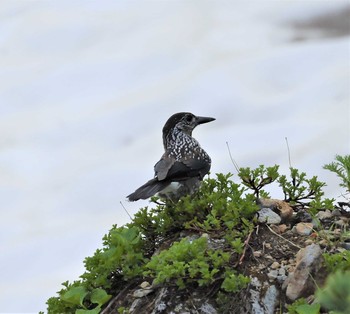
x,y
183,164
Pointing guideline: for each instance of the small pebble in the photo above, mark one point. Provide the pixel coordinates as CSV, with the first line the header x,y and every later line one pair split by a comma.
x,y
268,246
257,253
275,265
272,275
282,228
303,228
282,271
145,285
261,266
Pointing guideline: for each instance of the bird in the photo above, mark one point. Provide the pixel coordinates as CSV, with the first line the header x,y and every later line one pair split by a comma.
x,y
184,163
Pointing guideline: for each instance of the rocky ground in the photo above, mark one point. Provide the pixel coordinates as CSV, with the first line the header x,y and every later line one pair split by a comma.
x,y
282,256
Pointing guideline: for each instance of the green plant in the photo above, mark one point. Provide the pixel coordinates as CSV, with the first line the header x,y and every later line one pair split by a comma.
x,y
107,270
194,262
221,210
187,261
341,167
77,295
335,296
225,211
300,189
234,282
337,261
257,178
301,306
121,258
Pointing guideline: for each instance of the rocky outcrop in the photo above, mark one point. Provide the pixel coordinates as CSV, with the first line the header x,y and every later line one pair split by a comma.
x,y
282,256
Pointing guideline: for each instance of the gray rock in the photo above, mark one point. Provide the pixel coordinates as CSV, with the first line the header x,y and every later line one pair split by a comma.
x,y
270,300
281,275
145,285
262,304
322,215
254,300
159,304
269,216
140,293
207,308
134,305
272,274
300,283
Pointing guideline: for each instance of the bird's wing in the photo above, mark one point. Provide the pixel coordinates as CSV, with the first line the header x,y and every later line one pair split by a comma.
x,y
168,168
161,168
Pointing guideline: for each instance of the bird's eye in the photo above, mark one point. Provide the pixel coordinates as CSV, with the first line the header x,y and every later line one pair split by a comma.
x,y
188,118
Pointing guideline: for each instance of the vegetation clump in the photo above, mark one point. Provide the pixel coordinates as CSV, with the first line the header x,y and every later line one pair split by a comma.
x,y
199,242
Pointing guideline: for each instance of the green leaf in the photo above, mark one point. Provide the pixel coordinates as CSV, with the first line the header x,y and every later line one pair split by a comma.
x,y
75,295
308,308
99,296
233,282
96,310
335,295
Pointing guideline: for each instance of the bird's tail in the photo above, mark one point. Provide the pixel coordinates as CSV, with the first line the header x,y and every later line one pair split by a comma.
x,y
147,190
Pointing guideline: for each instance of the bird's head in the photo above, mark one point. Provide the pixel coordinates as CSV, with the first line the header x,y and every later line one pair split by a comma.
x,y
185,122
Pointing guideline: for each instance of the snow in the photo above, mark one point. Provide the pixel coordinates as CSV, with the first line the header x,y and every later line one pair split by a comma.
x,y
86,86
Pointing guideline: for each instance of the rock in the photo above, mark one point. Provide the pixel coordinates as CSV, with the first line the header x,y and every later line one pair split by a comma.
x,y
269,216
282,207
272,274
255,290
262,304
282,228
268,246
322,215
140,293
336,213
261,266
275,265
342,222
207,308
303,228
281,275
270,300
159,304
134,305
303,216
282,271
145,285
146,289
257,253
300,283
255,285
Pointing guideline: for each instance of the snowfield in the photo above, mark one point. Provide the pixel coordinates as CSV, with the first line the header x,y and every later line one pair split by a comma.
x,y
86,87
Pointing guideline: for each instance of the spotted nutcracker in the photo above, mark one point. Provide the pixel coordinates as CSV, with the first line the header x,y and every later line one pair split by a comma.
x,y
184,163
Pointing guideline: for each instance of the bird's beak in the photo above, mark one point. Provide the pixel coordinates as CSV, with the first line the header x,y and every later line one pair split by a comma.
x,y
201,120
